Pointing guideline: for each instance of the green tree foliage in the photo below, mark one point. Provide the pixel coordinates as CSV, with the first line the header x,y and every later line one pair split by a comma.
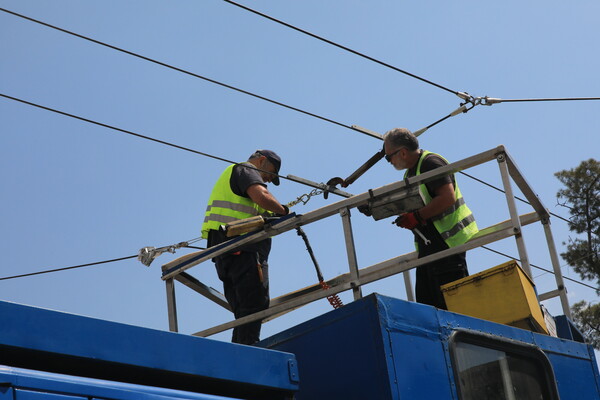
x,y
581,196
587,319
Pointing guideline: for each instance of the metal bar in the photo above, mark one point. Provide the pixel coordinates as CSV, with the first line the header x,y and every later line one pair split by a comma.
x,y
549,295
183,263
560,284
321,186
351,251
403,263
171,305
525,187
514,216
367,275
410,296
367,131
291,222
206,291
274,310
356,277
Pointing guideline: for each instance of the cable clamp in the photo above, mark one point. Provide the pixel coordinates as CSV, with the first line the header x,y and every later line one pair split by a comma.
x,y
147,254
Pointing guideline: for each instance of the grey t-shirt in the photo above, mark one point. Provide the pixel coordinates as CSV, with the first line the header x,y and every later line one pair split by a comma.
x,y
242,178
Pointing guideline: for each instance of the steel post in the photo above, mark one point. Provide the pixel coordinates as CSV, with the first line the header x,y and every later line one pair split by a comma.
x,y
171,305
410,295
560,283
351,251
514,215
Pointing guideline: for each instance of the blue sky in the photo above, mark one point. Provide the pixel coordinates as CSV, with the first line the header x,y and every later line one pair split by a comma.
x,y
75,193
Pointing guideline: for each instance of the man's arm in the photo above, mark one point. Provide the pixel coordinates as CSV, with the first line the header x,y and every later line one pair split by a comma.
x,y
444,198
261,196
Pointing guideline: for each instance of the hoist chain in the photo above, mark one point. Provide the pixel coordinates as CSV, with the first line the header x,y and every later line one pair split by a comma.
x,y
305,197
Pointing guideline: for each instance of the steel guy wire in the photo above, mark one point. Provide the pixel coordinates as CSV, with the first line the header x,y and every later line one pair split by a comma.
x,y
568,265
141,136
474,100
466,97
540,268
516,197
67,268
341,47
206,154
163,64
488,101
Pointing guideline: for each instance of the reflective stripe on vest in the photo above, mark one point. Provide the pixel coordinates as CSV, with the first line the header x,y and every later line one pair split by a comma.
x,y
457,224
224,206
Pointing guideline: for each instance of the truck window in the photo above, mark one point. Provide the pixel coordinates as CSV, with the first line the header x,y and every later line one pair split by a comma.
x,y
498,370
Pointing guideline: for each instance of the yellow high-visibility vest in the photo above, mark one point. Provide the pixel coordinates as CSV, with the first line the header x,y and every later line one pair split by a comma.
x,y
225,206
457,224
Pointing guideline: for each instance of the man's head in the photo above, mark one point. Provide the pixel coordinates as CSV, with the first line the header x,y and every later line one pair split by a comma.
x,y
401,148
269,161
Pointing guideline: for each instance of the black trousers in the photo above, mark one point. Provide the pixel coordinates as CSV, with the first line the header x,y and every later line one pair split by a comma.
x,y
245,279
433,275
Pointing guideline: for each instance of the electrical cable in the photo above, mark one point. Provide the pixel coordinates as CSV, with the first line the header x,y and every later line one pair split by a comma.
x,y
540,268
490,101
567,264
183,71
341,46
516,197
141,136
196,152
66,268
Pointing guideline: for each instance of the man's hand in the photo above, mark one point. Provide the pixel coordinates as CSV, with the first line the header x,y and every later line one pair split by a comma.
x,y
409,220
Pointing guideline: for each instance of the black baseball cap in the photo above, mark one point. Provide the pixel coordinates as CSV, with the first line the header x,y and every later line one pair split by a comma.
x,y
275,160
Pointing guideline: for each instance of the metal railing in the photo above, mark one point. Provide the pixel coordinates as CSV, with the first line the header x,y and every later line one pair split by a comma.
x,y
356,277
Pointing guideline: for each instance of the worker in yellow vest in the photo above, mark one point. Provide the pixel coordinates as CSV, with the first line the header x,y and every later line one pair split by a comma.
x,y
241,192
445,220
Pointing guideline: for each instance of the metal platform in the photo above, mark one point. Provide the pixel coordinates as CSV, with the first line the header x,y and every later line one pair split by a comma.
x,y
356,277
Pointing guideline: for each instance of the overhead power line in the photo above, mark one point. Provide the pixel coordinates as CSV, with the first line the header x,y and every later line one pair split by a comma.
x,y
491,100
540,268
479,100
341,46
163,64
141,136
516,197
206,154
67,268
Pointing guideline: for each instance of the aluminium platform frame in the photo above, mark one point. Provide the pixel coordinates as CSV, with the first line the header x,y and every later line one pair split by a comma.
x,y
356,277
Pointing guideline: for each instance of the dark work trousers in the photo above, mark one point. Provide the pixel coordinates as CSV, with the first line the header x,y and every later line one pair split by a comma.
x,y
435,274
246,290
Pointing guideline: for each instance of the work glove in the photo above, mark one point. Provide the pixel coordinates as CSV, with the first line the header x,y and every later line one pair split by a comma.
x,y
365,209
409,220
286,212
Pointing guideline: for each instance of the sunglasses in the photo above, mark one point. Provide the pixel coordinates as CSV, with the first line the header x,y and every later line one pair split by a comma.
x,y
388,157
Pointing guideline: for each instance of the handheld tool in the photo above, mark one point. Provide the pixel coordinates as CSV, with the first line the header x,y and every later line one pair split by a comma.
x,y
245,225
425,240
418,232
356,174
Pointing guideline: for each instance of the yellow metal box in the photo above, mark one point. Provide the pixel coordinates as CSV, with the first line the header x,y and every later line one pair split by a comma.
x,y
502,294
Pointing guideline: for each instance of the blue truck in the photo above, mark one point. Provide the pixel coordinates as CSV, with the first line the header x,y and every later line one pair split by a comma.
x,y
374,348
495,344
